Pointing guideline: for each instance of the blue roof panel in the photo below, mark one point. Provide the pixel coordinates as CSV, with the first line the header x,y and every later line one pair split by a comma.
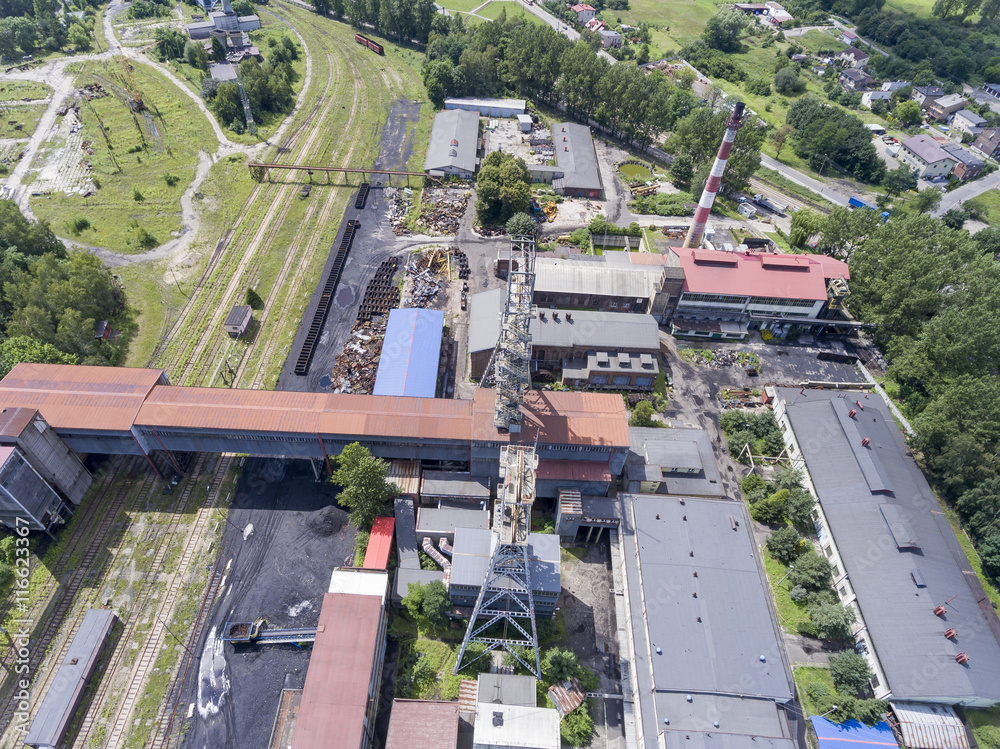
x,y
837,735
410,353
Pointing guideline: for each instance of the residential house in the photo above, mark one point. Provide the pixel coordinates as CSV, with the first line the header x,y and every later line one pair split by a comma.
x,y
925,96
752,9
854,80
894,86
967,121
583,12
853,58
776,14
988,142
800,58
925,155
595,25
967,165
868,97
610,38
849,37
946,106
993,89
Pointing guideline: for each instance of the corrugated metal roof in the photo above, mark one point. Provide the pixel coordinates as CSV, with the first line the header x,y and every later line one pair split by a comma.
x,y
567,696
422,724
338,681
515,726
80,397
453,141
575,154
406,475
60,702
507,689
13,421
902,629
453,484
468,692
447,519
471,558
406,534
558,276
408,364
379,544
930,726
597,330
574,470
834,735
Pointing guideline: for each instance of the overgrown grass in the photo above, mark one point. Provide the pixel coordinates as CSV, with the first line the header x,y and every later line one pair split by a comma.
x,y
676,22
512,9
985,726
24,90
461,6
805,676
21,121
794,189
157,301
790,613
989,204
135,208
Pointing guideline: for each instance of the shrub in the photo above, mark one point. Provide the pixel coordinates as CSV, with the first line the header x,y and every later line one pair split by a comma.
x,y
137,196
850,672
437,604
785,545
171,179
752,483
413,601
832,621
811,571
770,511
560,664
577,728
798,594
80,224
253,299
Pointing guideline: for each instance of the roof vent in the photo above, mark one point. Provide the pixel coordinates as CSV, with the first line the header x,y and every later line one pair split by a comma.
x,y
684,518
699,618
865,442
498,718
569,317
689,698
852,413
454,142
555,316
940,611
696,573
565,148
690,553
962,658
951,634
694,595
860,405
541,316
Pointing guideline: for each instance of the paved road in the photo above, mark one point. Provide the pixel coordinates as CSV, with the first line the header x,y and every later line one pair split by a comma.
x,y
810,183
967,192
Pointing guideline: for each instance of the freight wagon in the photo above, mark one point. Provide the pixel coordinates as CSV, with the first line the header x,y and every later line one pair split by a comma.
x,y
373,46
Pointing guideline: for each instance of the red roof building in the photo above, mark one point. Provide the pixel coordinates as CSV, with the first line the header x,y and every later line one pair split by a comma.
x,y
379,544
423,724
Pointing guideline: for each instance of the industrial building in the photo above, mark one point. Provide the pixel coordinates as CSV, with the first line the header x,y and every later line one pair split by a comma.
x,y
672,461
26,499
487,107
471,560
436,523
577,161
223,21
411,352
727,294
453,486
576,513
422,724
506,689
516,727
59,705
454,144
241,315
924,622
561,339
115,410
342,688
703,663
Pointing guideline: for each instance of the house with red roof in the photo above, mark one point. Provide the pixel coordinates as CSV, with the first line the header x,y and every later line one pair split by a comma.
x,y
726,294
583,12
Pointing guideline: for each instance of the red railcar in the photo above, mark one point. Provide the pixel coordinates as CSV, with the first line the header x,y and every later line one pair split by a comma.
x,y
373,46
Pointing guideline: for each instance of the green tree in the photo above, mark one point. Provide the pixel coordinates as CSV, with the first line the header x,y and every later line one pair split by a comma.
x,y
787,82
364,490
30,238
752,483
989,552
642,415
954,218
18,349
980,507
900,179
503,188
413,601
850,672
218,50
805,223
779,136
771,510
909,113
682,170
80,38
799,508
521,224
436,604
927,199
253,299
785,545
724,30
196,56
577,728
811,571
831,620
559,664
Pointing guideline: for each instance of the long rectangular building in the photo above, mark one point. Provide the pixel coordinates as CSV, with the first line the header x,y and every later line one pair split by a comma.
x,y
924,622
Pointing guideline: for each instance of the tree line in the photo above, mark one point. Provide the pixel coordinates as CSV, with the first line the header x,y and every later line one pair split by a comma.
x,y
933,293
396,19
51,300
27,26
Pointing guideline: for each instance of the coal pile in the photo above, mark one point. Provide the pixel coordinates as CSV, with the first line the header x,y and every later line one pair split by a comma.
x,y
381,294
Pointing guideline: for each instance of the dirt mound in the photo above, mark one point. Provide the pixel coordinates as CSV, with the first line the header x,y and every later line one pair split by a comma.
x,y
327,521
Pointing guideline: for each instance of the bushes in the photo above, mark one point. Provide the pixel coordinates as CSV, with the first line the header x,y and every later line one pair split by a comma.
x,y
850,672
577,728
812,571
759,430
770,511
831,620
785,545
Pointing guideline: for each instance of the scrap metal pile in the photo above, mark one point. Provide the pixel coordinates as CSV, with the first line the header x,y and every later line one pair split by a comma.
x,y
400,202
92,91
725,358
355,369
738,398
426,275
441,214
381,294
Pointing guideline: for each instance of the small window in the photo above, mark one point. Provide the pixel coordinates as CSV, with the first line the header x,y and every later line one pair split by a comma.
x,y
828,550
614,304
875,682
836,570
842,590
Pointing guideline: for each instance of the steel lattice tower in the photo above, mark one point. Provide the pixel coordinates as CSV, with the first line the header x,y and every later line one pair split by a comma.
x,y
505,600
509,370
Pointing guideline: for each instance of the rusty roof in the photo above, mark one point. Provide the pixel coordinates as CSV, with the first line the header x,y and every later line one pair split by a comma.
x,y
422,724
560,418
338,681
78,397
13,421
468,695
312,413
573,470
567,696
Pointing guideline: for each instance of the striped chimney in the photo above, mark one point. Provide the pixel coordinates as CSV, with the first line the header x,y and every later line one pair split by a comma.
x,y
697,231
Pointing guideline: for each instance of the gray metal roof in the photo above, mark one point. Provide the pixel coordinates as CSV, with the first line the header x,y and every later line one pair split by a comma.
x,y
926,148
507,689
575,155
472,555
516,727
597,330
451,484
406,534
962,154
974,119
453,141
238,314
654,449
580,276
447,519
61,700
903,631
605,508
717,660
405,576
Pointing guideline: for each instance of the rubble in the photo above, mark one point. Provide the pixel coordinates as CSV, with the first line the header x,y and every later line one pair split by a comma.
x,y
425,271
355,369
441,210
400,202
724,358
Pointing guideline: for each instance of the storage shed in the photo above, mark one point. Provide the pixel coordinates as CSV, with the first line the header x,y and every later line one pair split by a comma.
x,y
410,353
61,701
379,544
524,121
238,320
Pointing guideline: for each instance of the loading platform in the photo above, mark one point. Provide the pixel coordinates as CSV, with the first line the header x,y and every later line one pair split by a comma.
x,y
258,632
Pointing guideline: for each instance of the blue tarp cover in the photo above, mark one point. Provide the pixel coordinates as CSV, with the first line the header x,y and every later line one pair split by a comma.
x,y
840,735
410,353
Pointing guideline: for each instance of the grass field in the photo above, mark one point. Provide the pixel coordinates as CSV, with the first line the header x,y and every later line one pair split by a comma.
x,y
985,726
513,10
134,201
21,121
461,6
806,676
988,203
677,22
790,614
24,91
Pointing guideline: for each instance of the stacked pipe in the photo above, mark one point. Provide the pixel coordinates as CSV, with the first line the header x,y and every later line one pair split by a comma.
x,y
697,231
